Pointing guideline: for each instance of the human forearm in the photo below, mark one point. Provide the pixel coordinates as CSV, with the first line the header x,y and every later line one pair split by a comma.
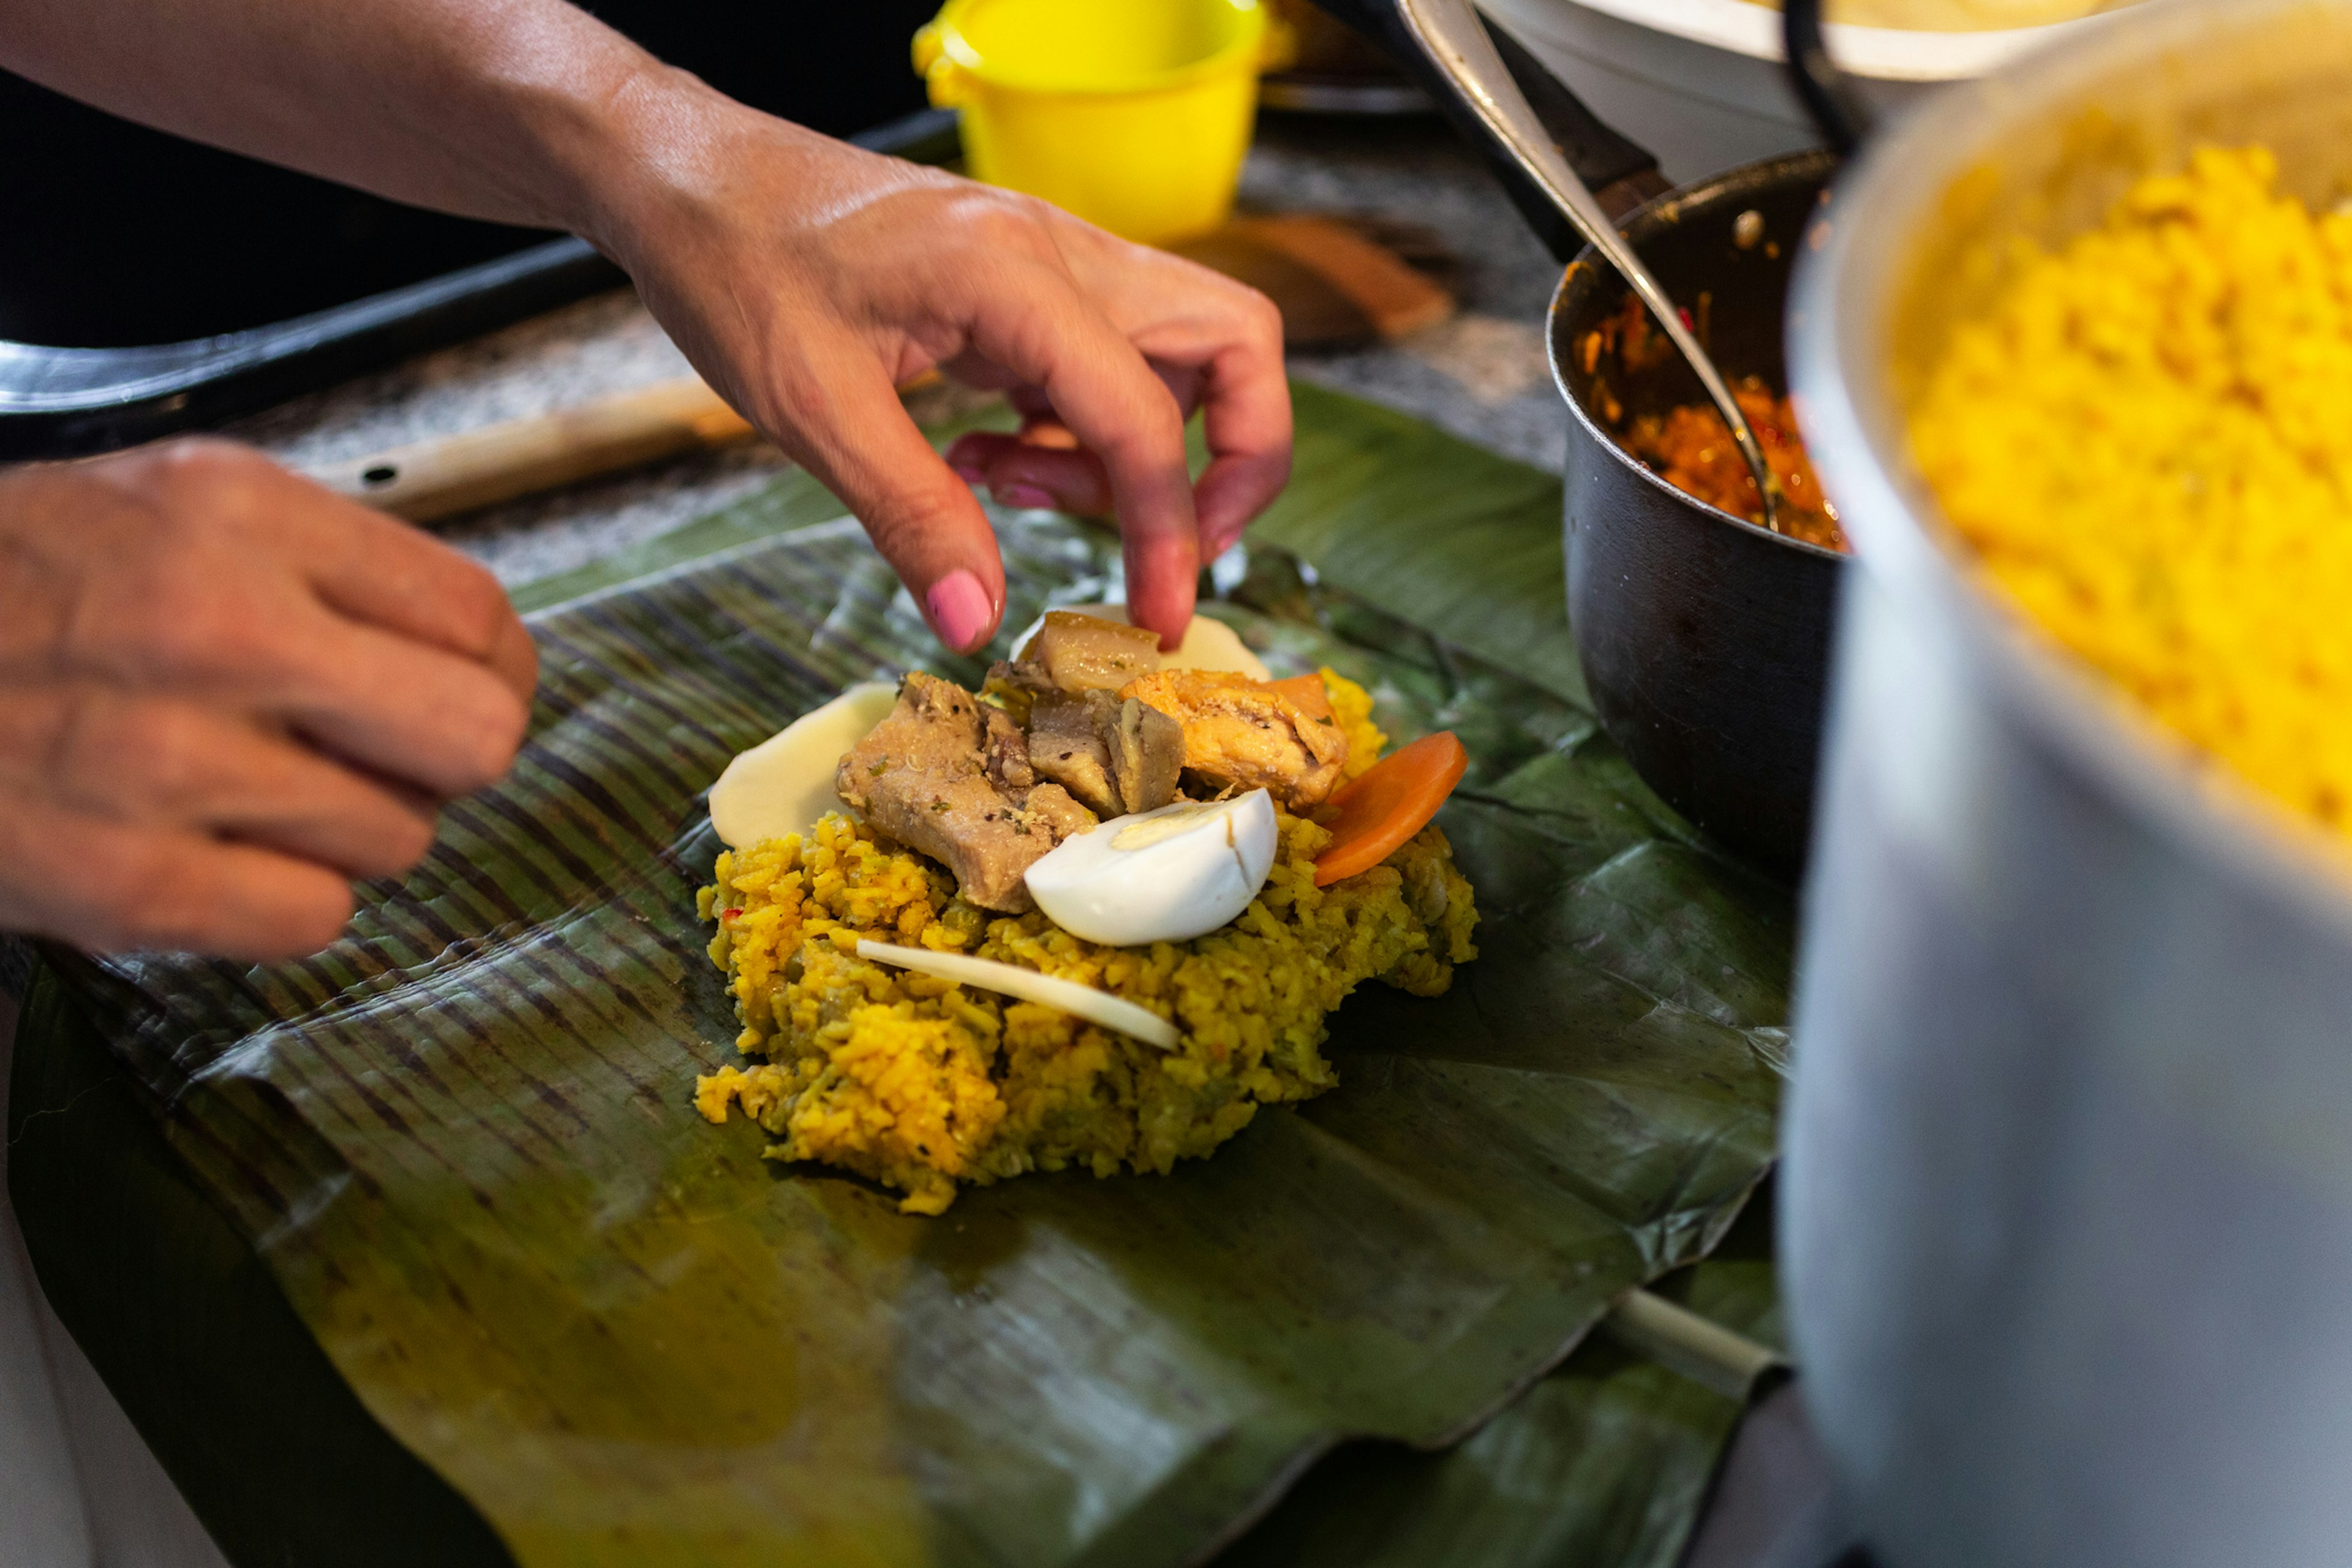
x,y
525,111
805,279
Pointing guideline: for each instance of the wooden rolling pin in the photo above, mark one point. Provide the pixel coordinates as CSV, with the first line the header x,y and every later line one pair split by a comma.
x,y
452,474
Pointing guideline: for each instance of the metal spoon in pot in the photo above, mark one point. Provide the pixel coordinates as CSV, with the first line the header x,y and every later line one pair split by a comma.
x,y
1450,34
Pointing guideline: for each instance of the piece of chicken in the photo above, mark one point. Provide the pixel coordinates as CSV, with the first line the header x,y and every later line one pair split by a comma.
x,y
1240,735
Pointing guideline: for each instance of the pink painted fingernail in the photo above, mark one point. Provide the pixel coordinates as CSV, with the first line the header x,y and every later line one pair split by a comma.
x,y
959,608
1027,496
969,473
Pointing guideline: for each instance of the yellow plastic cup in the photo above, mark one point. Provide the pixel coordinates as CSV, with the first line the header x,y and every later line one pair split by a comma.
x,y
1133,114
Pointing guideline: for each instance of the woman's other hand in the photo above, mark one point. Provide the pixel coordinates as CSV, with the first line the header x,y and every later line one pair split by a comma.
x,y
225,694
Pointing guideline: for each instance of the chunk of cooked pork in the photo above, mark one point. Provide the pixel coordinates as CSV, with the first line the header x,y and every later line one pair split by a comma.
x,y
1007,750
923,777
1147,755
1052,812
1080,653
1067,744
1240,735
1116,756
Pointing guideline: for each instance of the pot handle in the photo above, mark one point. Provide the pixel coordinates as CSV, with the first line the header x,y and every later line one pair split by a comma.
x,y
1621,174
1829,95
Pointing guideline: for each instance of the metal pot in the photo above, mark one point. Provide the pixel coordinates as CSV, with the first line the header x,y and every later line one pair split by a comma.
x,y
2066,1211
1705,638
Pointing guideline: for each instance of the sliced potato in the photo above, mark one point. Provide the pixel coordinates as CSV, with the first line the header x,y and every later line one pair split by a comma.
x,y
785,785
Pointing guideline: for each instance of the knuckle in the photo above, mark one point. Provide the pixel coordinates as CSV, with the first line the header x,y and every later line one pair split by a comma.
x,y
480,606
486,740
903,524
1263,320
1000,221
195,631
208,477
166,746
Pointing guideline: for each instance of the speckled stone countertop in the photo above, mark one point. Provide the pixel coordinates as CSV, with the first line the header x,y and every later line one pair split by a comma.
x,y
1481,374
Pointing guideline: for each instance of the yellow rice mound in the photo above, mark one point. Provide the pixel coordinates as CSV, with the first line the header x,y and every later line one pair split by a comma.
x,y
2148,442
920,1084
1351,709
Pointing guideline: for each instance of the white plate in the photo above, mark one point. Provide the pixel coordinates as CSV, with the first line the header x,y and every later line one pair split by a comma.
x,y
1700,83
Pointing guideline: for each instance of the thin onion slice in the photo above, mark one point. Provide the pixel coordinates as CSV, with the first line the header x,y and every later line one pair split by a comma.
x,y
1111,1011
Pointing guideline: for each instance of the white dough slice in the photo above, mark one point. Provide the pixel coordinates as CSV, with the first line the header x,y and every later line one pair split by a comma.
x,y
1114,1013
785,785
1209,643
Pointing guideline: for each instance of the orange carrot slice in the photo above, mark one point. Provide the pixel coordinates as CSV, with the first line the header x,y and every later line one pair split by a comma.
x,y
1307,692
1376,813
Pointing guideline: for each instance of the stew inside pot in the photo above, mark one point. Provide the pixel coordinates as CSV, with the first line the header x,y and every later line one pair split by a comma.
x,y
1690,447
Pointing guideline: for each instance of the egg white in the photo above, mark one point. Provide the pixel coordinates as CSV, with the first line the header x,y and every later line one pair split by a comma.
x,y
785,785
1159,876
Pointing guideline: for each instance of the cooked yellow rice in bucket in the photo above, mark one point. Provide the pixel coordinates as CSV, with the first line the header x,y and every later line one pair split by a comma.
x,y
920,1084
2147,441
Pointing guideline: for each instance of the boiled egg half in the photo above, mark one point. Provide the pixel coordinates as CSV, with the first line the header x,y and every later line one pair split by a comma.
x,y
1159,876
785,785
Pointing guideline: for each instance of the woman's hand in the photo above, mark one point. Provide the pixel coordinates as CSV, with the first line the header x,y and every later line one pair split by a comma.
x,y
807,280
225,693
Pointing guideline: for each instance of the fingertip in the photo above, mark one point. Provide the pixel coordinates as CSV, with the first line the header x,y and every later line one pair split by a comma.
x,y
962,613
1160,600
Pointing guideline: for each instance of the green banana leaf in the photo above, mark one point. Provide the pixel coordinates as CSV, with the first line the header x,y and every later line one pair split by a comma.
x,y
460,1142
1603,1464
